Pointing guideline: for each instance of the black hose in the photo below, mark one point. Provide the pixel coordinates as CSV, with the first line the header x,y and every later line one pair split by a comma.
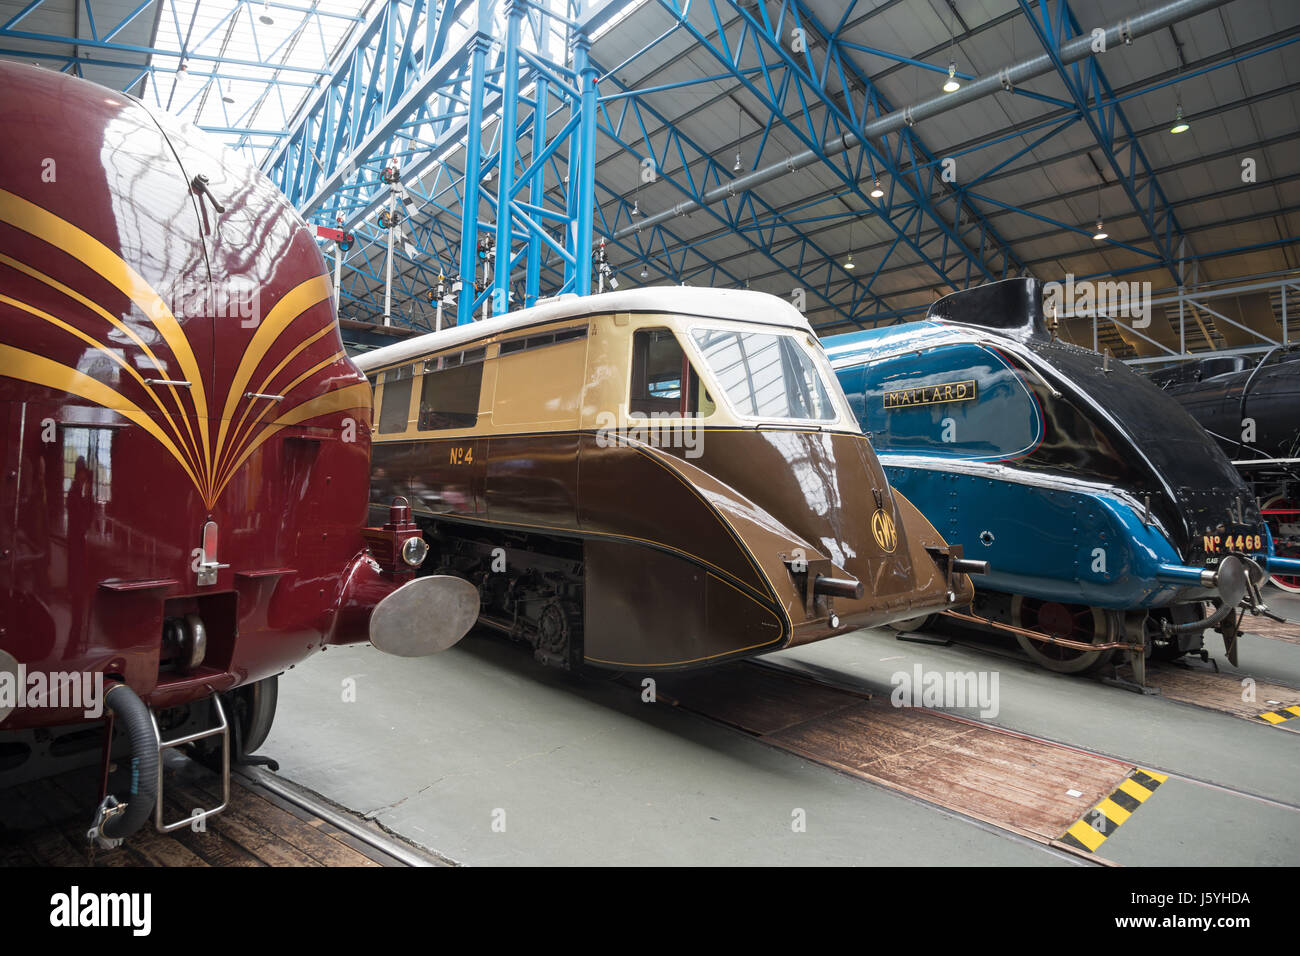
x,y
134,715
1224,610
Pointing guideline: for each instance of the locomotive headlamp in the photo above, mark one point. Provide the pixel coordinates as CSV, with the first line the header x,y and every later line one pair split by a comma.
x,y
398,546
414,551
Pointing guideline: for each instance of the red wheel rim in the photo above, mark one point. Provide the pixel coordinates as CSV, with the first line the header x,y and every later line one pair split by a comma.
x,y
1070,621
1283,517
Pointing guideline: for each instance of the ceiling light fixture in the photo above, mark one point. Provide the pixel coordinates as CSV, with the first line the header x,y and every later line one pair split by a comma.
x,y
952,85
265,16
1180,125
738,165
1101,233
876,191
228,96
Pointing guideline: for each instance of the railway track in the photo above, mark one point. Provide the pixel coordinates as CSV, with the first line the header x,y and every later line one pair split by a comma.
x,y
1063,797
269,823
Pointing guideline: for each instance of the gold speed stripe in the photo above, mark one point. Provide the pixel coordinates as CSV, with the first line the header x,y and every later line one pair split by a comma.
x,y
39,370
110,353
266,382
1280,716
267,406
297,301
341,399
1095,826
80,245
191,448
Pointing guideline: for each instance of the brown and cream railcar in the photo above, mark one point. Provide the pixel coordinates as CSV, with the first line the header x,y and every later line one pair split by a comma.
x,y
653,479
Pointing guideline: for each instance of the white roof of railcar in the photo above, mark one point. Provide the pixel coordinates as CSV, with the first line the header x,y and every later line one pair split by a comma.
x,y
736,304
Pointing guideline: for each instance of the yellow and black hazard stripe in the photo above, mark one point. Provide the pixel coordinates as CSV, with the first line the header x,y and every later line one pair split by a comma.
x,y
1278,716
1105,818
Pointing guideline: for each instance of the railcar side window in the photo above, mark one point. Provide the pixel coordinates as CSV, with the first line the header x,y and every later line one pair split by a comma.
x,y
659,367
765,375
395,415
449,395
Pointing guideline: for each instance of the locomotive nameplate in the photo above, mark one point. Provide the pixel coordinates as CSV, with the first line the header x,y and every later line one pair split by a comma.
x,y
963,391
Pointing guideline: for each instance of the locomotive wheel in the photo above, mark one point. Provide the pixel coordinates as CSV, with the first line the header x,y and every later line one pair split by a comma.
x,y
557,639
250,711
1287,582
553,630
1075,622
254,708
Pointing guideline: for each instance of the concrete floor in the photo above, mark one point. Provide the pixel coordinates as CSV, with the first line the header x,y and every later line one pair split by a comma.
x,y
487,758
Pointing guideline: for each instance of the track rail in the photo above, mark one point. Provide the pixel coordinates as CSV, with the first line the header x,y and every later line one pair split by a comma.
x,y
314,804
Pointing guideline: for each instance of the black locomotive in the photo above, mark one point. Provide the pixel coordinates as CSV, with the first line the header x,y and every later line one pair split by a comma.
x,y
1252,408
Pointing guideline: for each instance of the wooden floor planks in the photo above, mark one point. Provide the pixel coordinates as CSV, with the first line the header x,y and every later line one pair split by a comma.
x,y
45,822
1021,784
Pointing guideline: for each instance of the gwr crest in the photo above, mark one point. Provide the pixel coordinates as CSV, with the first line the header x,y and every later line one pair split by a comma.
x,y
884,531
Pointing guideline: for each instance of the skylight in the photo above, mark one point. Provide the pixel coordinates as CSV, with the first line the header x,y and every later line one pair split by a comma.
x,y
244,78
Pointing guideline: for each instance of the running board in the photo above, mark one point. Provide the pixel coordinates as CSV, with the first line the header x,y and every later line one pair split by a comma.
x,y
222,729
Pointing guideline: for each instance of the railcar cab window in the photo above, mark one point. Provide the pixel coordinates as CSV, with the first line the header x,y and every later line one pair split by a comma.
x,y
449,396
663,380
395,414
766,375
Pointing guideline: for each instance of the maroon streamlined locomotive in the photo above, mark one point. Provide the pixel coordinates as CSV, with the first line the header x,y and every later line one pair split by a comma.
x,y
186,450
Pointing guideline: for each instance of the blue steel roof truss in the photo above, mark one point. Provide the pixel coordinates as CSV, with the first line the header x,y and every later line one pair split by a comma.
x,y
433,86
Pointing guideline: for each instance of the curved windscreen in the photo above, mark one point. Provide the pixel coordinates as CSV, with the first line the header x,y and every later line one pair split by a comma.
x,y
765,375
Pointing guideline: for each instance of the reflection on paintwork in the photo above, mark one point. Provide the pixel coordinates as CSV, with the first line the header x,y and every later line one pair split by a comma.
x,y
1005,421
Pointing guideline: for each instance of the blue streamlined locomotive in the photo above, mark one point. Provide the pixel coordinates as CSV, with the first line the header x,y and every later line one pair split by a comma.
x,y
1108,516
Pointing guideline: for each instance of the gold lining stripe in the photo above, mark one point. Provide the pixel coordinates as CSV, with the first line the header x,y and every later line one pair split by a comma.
x,y
39,370
192,447
297,301
196,456
110,353
266,382
661,460
82,246
454,517
291,386
352,396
